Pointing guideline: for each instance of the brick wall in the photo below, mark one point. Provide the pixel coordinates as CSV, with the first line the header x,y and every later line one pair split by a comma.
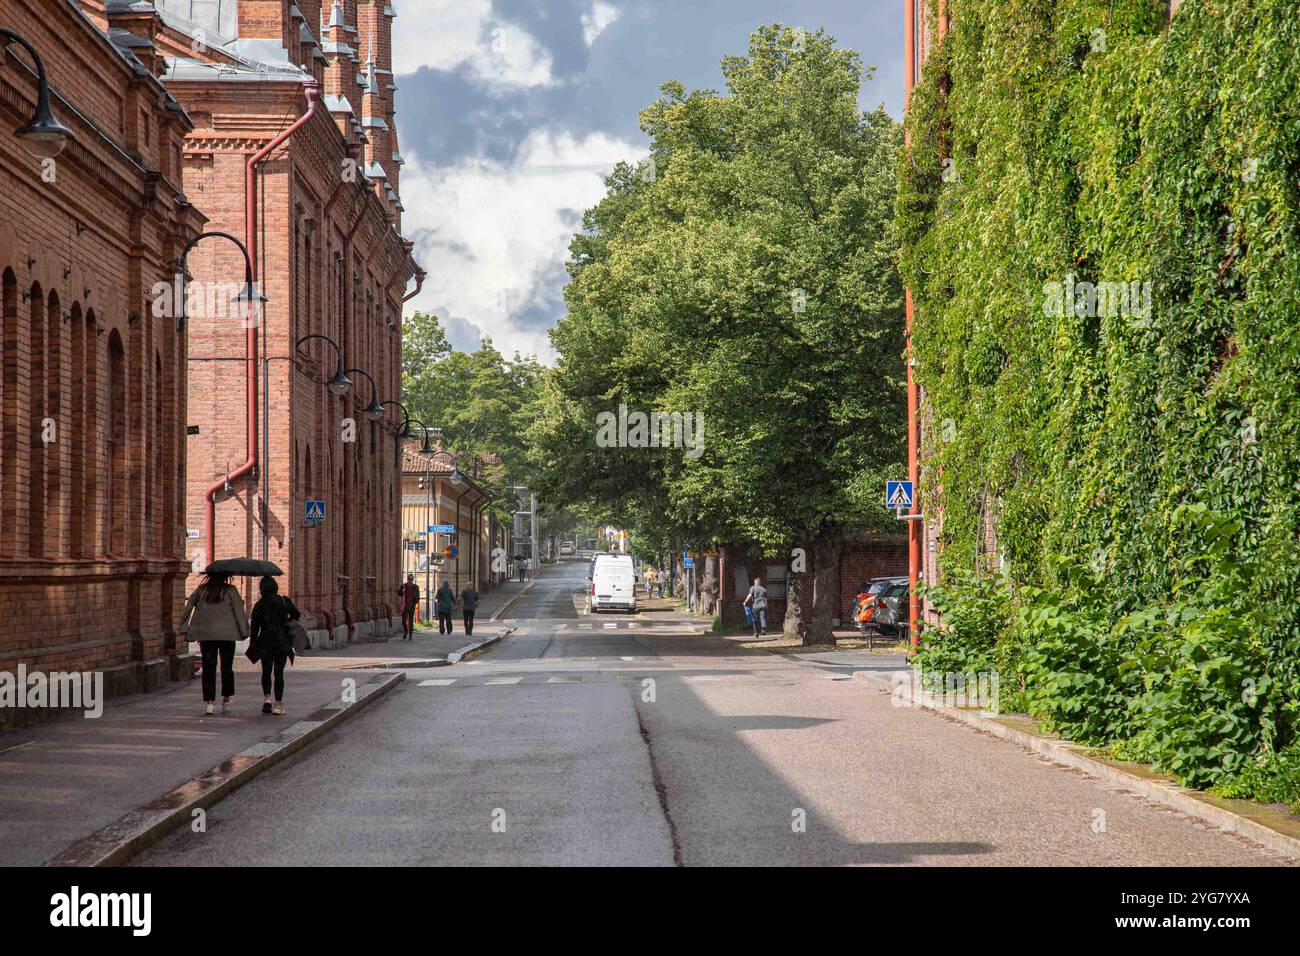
x,y
91,450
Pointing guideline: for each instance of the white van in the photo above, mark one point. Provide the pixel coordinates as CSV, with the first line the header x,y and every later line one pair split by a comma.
x,y
613,583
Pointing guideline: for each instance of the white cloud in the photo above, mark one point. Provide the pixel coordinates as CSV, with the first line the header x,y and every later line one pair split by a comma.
x,y
490,234
463,34
595,22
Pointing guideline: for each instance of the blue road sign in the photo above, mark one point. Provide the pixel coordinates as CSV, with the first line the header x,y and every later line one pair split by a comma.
x,y
898,494
315,510
442,528
687,560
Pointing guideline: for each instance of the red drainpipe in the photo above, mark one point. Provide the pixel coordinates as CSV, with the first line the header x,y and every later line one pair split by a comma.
x,y
913,466
312,91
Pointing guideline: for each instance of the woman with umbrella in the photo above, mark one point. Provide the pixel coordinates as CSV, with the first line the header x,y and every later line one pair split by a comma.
x,y
214,616
271,642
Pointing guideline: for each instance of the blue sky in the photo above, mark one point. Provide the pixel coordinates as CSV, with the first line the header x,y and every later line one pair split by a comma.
x,y
510,112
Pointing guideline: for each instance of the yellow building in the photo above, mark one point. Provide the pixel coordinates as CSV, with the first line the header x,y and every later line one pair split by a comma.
x,y
442,507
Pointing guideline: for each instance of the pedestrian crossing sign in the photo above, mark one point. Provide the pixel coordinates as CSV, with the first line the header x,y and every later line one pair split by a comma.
x,y
898,494
314,512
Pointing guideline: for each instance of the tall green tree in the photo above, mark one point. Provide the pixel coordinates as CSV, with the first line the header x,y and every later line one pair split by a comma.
x,y
745,275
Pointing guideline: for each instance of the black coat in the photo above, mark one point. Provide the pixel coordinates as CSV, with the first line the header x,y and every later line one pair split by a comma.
x,y
268,628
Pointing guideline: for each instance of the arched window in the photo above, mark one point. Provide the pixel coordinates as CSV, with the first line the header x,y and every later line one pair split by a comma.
x,y
10,458
53,437
38,392
75,433
116,493
91,445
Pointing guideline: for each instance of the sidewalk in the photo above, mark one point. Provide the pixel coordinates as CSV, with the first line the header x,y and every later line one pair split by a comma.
x,y
428,648
64,780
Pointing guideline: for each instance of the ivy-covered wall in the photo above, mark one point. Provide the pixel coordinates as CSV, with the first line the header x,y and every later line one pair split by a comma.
x,y
1099,224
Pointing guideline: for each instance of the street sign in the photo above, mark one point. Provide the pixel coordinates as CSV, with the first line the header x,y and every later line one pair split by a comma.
x,y
314,511
193,534
688,561
442,528
450,551
898,494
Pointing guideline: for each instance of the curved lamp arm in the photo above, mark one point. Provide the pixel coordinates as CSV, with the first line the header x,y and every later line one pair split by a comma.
x,y
249,295
405,430
340,383
44,136
374,411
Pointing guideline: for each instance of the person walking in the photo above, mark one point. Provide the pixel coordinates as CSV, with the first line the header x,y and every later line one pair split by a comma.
x,y
756,601
214,616
271,642
409,594
468,605
649,582
663,581
444,603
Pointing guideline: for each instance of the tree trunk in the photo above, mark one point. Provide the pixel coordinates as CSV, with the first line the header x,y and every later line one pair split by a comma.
x,y
797,592
709,587
826,587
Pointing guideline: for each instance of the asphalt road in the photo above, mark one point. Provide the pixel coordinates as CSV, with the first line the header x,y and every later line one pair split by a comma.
x,y
577,742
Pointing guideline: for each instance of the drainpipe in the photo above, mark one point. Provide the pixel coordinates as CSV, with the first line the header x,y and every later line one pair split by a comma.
x,y
419,284
914,527
312,92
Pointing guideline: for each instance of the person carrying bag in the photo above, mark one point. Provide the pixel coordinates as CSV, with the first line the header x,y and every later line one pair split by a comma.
x,y
272,632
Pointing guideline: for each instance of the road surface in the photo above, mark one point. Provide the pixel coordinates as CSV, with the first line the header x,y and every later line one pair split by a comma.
x,y
617,740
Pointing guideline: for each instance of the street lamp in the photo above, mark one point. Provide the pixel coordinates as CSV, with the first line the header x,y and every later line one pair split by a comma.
x,y
405,430
44,136
248,296
426,448
340,383
374,411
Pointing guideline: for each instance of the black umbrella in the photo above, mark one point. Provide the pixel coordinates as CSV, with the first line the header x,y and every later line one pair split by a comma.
x,y
243,567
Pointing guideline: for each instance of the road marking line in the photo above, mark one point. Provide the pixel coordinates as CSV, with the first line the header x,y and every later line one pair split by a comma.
x,y
564,680
626,658
440,682
505,680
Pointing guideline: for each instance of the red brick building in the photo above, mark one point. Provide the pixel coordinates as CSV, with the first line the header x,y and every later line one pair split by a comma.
x,y
92,384
294,150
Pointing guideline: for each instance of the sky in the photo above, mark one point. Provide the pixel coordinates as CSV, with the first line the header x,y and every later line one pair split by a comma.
x,y
511,112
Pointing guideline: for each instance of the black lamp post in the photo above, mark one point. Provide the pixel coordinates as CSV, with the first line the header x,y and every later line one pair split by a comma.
x,y
426,448
374,411
248,296
44,136
340,383
405,430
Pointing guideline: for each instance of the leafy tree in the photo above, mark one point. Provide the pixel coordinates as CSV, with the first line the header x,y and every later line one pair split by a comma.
x,y
745,276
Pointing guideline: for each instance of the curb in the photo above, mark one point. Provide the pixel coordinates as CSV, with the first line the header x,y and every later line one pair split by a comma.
x,y
135,831
455,657
1182,799
394,665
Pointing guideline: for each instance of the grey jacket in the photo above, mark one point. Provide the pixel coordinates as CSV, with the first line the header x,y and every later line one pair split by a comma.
x,y
223,621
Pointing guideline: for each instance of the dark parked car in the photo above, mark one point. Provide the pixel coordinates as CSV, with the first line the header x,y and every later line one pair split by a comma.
x,y
891,609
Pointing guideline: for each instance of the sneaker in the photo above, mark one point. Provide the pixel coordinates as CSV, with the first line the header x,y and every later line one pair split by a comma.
x,y
225,704
278,709
266,707
210,709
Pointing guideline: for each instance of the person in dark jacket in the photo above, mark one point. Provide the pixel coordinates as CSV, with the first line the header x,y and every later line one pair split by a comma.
x,y
468,605
271,642
445,602
409,594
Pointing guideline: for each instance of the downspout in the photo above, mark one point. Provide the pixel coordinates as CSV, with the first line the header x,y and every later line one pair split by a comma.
x,y
312,92
419,284
913,465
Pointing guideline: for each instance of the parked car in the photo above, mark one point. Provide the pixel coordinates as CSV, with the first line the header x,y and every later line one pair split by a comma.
x,y
891,609
566,549
865,607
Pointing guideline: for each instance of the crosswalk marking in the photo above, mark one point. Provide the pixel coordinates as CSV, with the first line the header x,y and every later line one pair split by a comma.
x,y
564,680
505,680
440,682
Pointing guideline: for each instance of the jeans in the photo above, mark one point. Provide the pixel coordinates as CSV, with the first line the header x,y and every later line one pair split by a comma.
x,y
444,621
760,620
468,615
408,620
211,650
274,664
